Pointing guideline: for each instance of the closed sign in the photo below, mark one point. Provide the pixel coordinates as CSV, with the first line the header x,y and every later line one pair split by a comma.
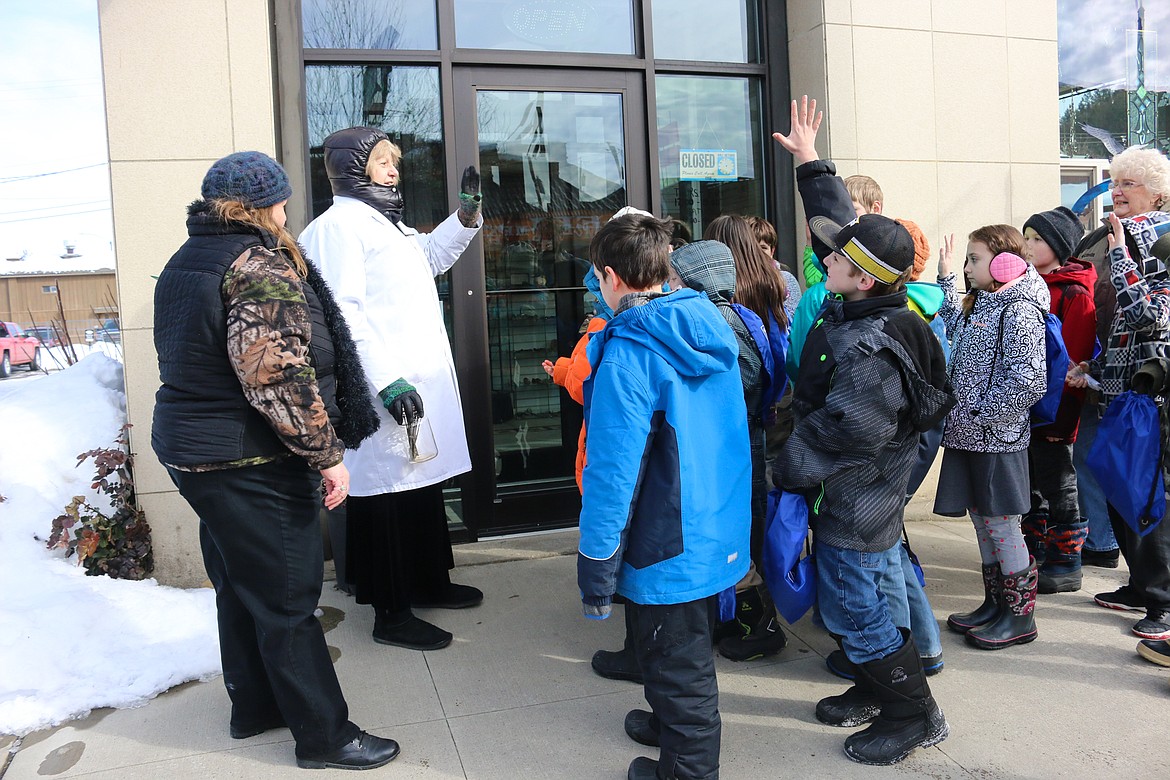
x,y
706,165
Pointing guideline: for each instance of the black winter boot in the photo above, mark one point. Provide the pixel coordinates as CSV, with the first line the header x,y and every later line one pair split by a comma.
x,y
1016,623
857,705
987,611
909,717
1060,571
763,638
619,664
1035,526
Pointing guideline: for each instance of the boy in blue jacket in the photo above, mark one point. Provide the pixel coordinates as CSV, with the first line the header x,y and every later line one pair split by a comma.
x,y
666,492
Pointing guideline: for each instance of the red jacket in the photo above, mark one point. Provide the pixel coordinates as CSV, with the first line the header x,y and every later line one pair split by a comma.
x,y
571,373
1071,287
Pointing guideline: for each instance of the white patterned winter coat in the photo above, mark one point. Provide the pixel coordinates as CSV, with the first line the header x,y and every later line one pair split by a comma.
x,y
997,373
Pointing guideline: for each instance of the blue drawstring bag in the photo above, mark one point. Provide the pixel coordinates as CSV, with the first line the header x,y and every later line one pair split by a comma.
x,y
791,579
726,604
1126,459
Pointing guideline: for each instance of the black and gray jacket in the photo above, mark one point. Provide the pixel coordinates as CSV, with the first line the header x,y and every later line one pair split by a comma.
x,y
872,378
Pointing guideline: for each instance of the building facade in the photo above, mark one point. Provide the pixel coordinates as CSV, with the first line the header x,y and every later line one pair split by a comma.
x,y
570,110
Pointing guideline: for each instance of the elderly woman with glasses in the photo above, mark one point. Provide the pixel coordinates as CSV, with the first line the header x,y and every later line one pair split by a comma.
x,y
1133,304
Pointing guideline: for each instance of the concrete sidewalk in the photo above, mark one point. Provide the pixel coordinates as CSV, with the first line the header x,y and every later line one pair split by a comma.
x,y
514,696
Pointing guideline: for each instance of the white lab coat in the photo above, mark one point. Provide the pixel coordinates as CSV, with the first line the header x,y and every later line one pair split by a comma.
x,y
383,277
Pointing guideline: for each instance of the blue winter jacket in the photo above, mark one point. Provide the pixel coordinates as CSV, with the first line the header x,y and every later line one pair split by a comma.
x,y
666,504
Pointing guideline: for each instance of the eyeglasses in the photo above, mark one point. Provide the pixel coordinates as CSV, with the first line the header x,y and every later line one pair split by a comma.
x,y
1125,184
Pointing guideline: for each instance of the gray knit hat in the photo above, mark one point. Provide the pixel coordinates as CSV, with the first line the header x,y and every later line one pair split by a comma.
x,y
1059,228
252,178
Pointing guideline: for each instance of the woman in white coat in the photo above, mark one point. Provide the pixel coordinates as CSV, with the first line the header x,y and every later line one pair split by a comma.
x,y
398,550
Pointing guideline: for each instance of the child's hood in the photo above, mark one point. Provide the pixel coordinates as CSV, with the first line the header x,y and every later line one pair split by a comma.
x,y
1074,271
593,285
711,273
684,328
926,296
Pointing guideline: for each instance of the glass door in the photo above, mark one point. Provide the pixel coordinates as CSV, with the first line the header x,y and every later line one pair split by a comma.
x,y
558,155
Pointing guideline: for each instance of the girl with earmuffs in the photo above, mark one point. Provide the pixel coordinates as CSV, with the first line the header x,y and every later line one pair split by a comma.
x,y
998,372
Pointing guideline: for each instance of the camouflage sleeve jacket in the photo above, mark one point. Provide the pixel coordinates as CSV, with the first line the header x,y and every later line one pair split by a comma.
x,y
268,336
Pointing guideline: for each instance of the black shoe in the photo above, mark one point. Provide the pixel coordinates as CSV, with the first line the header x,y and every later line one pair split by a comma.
x,y
243,732
642,727
857,705
1155,650
1155,625
888,741
755,645
841,666
617,665
1123,599
365,752
962,622
452,597
932,664
642,768
412,633
1102,559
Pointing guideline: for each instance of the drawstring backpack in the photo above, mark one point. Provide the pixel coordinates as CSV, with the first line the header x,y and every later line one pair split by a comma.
x,y
1126,459
791,578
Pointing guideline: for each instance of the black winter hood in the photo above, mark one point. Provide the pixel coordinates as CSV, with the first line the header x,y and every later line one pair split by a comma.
x,y
346,154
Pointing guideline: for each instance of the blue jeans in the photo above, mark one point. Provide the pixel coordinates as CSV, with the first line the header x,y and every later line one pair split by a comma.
x,y
1090,497
909,606
851,601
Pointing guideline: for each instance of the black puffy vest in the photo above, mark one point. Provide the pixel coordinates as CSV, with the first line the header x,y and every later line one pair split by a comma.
x,y
201,415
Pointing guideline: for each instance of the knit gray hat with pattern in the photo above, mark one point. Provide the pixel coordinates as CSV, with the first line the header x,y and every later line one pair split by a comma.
x,y
252,178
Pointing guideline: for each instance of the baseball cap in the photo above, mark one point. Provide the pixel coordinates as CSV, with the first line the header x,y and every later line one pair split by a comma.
x,y
877,245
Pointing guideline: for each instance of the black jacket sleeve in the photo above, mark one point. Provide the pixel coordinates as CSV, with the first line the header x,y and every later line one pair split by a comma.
x,y
824,195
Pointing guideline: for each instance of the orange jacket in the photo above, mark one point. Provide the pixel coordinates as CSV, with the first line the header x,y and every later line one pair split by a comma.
x,y
571,373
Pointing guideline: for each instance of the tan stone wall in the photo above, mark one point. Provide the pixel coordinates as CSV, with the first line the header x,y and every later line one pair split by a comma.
x,y
185,85
951,106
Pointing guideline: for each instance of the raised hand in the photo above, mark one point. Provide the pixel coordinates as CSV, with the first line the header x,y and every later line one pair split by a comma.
x,y
470,199
801,139
946,255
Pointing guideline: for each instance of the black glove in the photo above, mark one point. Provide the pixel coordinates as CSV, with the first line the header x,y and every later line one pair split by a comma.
x,y
469,197
403,402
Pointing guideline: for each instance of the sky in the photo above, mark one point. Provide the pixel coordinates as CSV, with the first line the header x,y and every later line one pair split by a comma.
x,y
72,643
53,121
1091,35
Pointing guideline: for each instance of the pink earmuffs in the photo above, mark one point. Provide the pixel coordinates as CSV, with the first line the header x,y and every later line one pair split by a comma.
x,y
1006,267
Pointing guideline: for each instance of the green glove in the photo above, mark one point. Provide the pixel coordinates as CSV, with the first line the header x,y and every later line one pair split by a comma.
x,y
470,199
402,400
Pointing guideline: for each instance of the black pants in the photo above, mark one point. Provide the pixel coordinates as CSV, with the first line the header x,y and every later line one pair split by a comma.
x,y
261,541
673,646
758,439
1054,480
1148,558
397,546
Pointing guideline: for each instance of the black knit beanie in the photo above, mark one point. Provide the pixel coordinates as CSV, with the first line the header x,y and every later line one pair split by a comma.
x,y
252,178
1059,228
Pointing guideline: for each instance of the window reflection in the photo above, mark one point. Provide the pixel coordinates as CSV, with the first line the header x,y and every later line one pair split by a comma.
x,y
369,24
595,26
553,166
719,116
706,30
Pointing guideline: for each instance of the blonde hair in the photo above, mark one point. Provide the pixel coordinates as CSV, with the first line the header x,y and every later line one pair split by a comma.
x,y
1146,166
234,211
384,148
865,191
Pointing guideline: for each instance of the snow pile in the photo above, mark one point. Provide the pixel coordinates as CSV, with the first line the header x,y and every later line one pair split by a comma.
x,y
71,642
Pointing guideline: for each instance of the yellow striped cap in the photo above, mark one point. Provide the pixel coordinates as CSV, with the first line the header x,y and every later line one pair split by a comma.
x,y
877,245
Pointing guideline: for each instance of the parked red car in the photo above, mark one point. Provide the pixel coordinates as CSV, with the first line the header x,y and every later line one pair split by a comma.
x,y
18,349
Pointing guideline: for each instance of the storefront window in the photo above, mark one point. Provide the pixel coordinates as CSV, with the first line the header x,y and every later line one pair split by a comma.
x,y
369,24
594,26
706,30
401,101
1114,76
710,148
